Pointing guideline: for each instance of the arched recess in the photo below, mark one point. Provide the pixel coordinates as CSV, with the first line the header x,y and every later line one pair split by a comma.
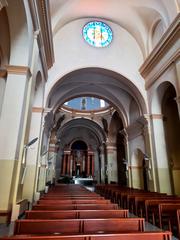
x,y
18,28
115,136
172,133
156,31
89,132
165,125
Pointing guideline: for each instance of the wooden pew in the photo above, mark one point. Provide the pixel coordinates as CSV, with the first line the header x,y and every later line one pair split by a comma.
x,y
74,214
122,236
76,201
71,197
78,226
178,220
168,216
139,202
75,207
151,208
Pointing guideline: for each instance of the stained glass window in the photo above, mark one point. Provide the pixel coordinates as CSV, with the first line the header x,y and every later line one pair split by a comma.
x,y
97,34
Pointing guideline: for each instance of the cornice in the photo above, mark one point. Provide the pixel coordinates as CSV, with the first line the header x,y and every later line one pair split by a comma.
x,y
168,39
37,20
37,109
43,9
156,116
3,73
18,70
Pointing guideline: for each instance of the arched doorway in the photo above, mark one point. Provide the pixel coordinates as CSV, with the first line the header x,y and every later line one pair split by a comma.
x,y
79,155
171,123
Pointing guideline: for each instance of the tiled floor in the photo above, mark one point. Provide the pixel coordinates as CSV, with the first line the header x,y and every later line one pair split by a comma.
x,y
6,231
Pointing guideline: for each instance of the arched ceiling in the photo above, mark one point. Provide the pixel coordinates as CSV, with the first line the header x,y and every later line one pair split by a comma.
x,y
136,16
110,86
86,130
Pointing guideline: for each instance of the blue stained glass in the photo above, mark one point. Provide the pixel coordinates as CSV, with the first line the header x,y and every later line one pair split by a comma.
x,y
97,34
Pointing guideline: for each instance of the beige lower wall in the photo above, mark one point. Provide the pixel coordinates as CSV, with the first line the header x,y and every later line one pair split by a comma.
x,y
164,180
176,179
7,180
41,178
29,181
137,178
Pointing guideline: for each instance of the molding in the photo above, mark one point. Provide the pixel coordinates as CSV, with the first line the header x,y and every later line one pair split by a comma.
x,y
47,32
166,42
135,167
41,18
177,99
37,109
18,70
3,73
156,116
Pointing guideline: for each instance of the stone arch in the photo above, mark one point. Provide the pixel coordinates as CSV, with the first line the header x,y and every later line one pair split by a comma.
x,y
172,131
102,83
156,31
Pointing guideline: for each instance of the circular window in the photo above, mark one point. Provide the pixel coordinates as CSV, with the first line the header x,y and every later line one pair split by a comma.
x,y
97,34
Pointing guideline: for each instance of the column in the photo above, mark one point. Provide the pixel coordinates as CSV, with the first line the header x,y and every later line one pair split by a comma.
x,y
88,164
68,163
177,67
44,146
92,159
12,124
3,75
112,170
74,165
102,163
64,165
33,154
148,152
160,154
178,104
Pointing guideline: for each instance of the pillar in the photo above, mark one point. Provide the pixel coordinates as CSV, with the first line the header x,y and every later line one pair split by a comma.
x,y
88,164
102,163
112,170
177,67
32,154
64,165
92,159
160,154
3,74
12,126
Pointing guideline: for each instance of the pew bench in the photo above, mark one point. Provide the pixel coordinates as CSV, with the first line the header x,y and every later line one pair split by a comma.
x,y
74,214
178,220
75,207
122,236
78,226
151,208
76,201
168,217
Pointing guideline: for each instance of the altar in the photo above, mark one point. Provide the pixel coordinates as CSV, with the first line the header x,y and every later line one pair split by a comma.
x,y
84,181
